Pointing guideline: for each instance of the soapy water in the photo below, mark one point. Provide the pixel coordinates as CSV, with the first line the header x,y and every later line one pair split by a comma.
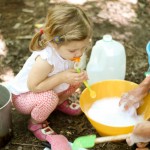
x,y
108,112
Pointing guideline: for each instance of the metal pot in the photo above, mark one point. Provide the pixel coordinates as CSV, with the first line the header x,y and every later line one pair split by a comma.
x,y
5,116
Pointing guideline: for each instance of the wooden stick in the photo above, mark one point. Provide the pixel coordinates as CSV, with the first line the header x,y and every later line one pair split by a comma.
x,y
112,138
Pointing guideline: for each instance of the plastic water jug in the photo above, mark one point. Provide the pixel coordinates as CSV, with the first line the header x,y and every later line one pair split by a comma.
x,y
107,61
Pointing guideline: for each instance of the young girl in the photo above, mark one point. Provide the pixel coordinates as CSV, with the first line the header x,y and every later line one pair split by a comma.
x,y
48,77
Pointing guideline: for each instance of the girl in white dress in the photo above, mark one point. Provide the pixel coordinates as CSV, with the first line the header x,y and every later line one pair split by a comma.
x,y
48,76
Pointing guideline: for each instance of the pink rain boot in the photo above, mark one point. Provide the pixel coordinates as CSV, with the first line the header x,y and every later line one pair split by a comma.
x,y
58,142
40,130
70,108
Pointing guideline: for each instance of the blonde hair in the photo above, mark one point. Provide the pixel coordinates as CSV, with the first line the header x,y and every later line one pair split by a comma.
x,y
64,23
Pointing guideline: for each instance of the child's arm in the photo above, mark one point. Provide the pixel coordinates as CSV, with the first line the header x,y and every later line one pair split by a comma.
x,y
39,81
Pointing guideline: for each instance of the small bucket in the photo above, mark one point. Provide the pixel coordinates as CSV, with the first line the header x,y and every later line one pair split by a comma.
x,y
5,116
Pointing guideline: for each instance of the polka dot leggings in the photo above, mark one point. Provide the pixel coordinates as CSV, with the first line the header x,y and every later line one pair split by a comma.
x,y
40,105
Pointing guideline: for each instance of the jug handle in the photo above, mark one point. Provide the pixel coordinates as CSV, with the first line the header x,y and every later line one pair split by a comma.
x,y
148,51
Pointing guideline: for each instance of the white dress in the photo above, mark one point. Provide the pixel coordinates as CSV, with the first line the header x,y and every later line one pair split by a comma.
x,y
19,84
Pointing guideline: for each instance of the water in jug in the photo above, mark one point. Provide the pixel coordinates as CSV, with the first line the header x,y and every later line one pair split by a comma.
x,y
107,61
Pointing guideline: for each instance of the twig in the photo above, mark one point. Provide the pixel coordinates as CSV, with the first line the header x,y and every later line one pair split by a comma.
x,y
24,144
27,21
33,148
24,37
27,10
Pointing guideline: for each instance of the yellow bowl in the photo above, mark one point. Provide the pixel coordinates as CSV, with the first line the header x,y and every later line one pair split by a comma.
x,y
105,89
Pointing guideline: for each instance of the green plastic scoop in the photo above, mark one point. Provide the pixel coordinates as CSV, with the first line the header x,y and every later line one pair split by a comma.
x,y
90,140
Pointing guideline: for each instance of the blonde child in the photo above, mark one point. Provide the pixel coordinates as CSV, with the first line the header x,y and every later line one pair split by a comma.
x,y
141,132
48,76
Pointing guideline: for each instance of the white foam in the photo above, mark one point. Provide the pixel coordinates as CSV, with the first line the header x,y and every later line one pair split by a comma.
x,y
107,111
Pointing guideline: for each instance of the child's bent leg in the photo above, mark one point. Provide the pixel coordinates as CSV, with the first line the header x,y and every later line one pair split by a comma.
x,y
67,106
45,106
40,106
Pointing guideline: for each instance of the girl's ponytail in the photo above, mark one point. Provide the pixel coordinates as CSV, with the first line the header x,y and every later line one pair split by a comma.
x,y
36,42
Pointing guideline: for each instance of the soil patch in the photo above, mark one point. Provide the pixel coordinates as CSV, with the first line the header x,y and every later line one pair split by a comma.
x,y
127,22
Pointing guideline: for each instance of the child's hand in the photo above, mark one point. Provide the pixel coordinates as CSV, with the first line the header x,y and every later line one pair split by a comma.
x,y
136,95
140,135
132,98
72,77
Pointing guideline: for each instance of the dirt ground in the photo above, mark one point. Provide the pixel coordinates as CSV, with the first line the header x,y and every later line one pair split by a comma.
x,y
127,22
